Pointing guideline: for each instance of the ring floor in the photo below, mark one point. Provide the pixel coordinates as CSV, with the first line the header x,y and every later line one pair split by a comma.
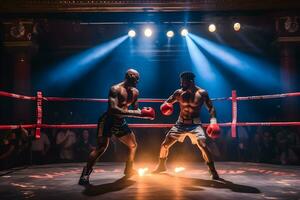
x,y
240,181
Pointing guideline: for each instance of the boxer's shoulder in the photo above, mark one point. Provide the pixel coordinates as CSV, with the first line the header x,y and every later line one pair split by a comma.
x,y
135,91
201,91
178,92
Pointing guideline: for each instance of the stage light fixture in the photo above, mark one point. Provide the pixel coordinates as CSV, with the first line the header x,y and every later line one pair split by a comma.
x,y
148,32
170,34
212,28
131,33
237,26
184,32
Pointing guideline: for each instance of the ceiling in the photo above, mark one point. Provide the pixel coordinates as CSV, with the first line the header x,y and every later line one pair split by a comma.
x,y
66,6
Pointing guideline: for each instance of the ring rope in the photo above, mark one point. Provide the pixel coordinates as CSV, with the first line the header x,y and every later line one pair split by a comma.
x,y
16,96
84,126
146,100
39,98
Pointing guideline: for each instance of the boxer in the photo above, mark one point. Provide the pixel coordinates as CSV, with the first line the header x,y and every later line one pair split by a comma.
x,y
112,122
190,98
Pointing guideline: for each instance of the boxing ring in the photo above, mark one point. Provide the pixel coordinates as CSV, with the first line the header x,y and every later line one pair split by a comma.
x,y
241,180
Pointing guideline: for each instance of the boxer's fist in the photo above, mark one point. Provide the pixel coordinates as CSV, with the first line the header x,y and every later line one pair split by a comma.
x,y
148,113
213,131
166,109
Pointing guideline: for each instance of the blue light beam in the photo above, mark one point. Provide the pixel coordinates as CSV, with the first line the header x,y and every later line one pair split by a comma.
x,y
199,60
257,72
73,68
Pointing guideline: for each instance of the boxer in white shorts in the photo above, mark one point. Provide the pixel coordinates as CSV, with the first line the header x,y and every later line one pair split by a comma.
x,y
190,98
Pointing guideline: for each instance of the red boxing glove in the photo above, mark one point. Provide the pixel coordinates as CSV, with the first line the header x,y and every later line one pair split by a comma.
x,y
213,131
166,109
148,113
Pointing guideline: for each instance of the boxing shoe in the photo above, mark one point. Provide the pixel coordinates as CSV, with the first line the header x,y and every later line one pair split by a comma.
x,y
212,170
85,176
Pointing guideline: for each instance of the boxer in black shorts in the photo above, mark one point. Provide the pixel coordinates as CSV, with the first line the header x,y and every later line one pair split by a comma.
x,y
112,122
109,125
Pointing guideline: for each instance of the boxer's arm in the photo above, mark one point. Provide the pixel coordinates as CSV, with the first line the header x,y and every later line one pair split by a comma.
x,y
173,98
114,106
213,129
211,109
135,104
167,107
146,112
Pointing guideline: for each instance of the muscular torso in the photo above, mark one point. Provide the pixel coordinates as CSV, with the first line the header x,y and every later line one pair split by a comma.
x,y
190,103
125,96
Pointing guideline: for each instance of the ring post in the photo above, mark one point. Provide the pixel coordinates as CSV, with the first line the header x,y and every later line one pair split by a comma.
x,y
39,114
234,113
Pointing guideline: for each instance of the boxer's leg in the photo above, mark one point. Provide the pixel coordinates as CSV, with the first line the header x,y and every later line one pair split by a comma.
x,y
130,141
164,151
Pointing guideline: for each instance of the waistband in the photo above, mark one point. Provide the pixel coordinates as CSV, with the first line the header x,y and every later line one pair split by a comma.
x,y
114,119
189,121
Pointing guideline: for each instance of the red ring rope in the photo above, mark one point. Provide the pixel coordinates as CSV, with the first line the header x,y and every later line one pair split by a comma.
x,y
273,96
83,126
16,96
39,98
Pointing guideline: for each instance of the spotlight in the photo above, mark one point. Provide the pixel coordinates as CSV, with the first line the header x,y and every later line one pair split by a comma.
x,y
148,32
179,169
142,171
131,33
170,34
184,32
212,28
237,26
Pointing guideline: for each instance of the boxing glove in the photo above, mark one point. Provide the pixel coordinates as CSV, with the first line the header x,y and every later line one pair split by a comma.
x,y
148,113
213,129
166,109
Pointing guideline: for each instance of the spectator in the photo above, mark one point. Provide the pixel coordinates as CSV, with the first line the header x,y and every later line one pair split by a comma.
x,y
84,146
257,145
232,147
53,153
7,148
40,148
243,141
66,141
222,143
268,147
14,148
293,145
282,146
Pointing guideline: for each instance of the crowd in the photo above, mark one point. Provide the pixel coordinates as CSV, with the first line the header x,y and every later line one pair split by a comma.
x,y
19,146
277,145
